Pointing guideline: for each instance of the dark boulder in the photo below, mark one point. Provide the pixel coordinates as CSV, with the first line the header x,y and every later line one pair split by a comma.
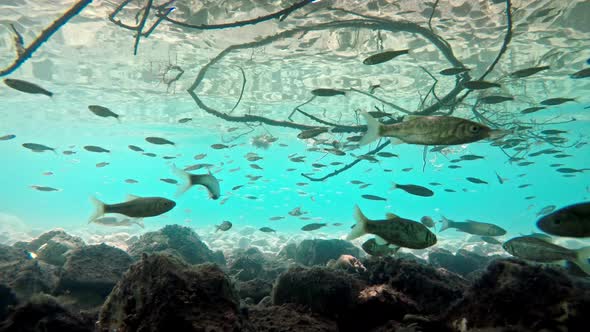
x,y
162,293
7,299
256,289
463,262
52,247
176,240
289,251
288,318
319,252
252,264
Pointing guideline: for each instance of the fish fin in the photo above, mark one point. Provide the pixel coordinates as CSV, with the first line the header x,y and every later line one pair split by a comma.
x,y
131,197
118,117
393,186
185,180
98,209
360,228
583,259
373,129
217,228
390,216
380,241
446,223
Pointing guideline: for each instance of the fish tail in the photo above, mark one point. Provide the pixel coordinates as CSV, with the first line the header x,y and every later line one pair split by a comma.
x,y
582,259
446,223
373,129
98,209
393,186
185,180
360,228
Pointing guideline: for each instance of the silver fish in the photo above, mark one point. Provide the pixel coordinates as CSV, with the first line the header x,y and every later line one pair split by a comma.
x,y
136,207
473,227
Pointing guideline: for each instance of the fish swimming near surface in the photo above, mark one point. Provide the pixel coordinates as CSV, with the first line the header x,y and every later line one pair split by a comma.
x,y
373,197
7,137
206,180
97,149
453,71
103,112
413,189
473,227
394,230
135,148
171,181
135,207
185,120
581,74
491,100
570,221
528,72
224,226
556,101
114,222
43,188
26,87
373,248
38,147
159,141
480,85
532,109
537,250
326,92
311,133
428,130
378,58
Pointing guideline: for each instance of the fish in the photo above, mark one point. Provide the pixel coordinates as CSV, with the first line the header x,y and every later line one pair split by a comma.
x,y
532,109
311,133
553,132
219,146
491,240
378,58
427,221
541,236
159,141
149,154
407,169
254,166
135,148
524,185
24,86
473,227
450,190
454,166
559,156
171,181
546,210
135,207
413,189
386,154
97,149
335,151
7,137
428,130
374,197
313,227
556,101
224,226
581,74
237,187
373,248
471,157
480,85
364,185
569,221
568,170
525,163
435,184
537,250
114,222
296,212
394,230
267,230
326,92
38,147
68,152
476,180
169,157
491,100
276,218
48,173
453,71
131,181
356,182
185,120
42,188
102,164
522,73
103,112
318,165
200,156
206,180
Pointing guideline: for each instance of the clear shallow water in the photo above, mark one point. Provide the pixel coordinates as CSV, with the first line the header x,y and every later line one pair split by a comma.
x,y
90,61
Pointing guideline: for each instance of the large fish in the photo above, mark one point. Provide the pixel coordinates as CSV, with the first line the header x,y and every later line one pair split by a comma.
x,y
473,227
135,207
429,130
394,230
570,221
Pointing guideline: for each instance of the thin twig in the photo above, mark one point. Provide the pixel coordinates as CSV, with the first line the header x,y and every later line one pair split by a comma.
x,y
141,25
432,14
392,105
290,117
241,91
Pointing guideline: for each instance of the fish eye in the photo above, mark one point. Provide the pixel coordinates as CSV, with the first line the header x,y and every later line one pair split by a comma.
x,y
557,221
474,129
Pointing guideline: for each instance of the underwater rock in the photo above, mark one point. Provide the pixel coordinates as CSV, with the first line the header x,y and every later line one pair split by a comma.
x,y
288,318
244,242
319,252
91,272
52,247
289,251
347,263
432,289
7,299
163,293
44,313
322,290
256,289
463,262
524,297
252,263
176,240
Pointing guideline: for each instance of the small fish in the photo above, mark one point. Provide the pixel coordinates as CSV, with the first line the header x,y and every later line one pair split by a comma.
x,y
267,230
556,101
553,132
525,163
224,226
131,181
37,147
336,152
318,165
7,137
149,154
97,149
524,185
312,227
169,157
167,180
373,197
476,180
471,157
356,182
200,156
491,100
435,184
206,180
453,71
413,189
385,154
27,87
159,141
570,221
69,153
532,109
325,92
365,185
537,250
480,85
491,240
254,166
427,221
378,58
185,120
42,188
450,190
568,170
528,72
581,74
276,218
296,212
135,148
407,169
102,164
546,210
49,173
219,146
311,133
135,207
473,227
394,230
237,187
373,248
103,112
